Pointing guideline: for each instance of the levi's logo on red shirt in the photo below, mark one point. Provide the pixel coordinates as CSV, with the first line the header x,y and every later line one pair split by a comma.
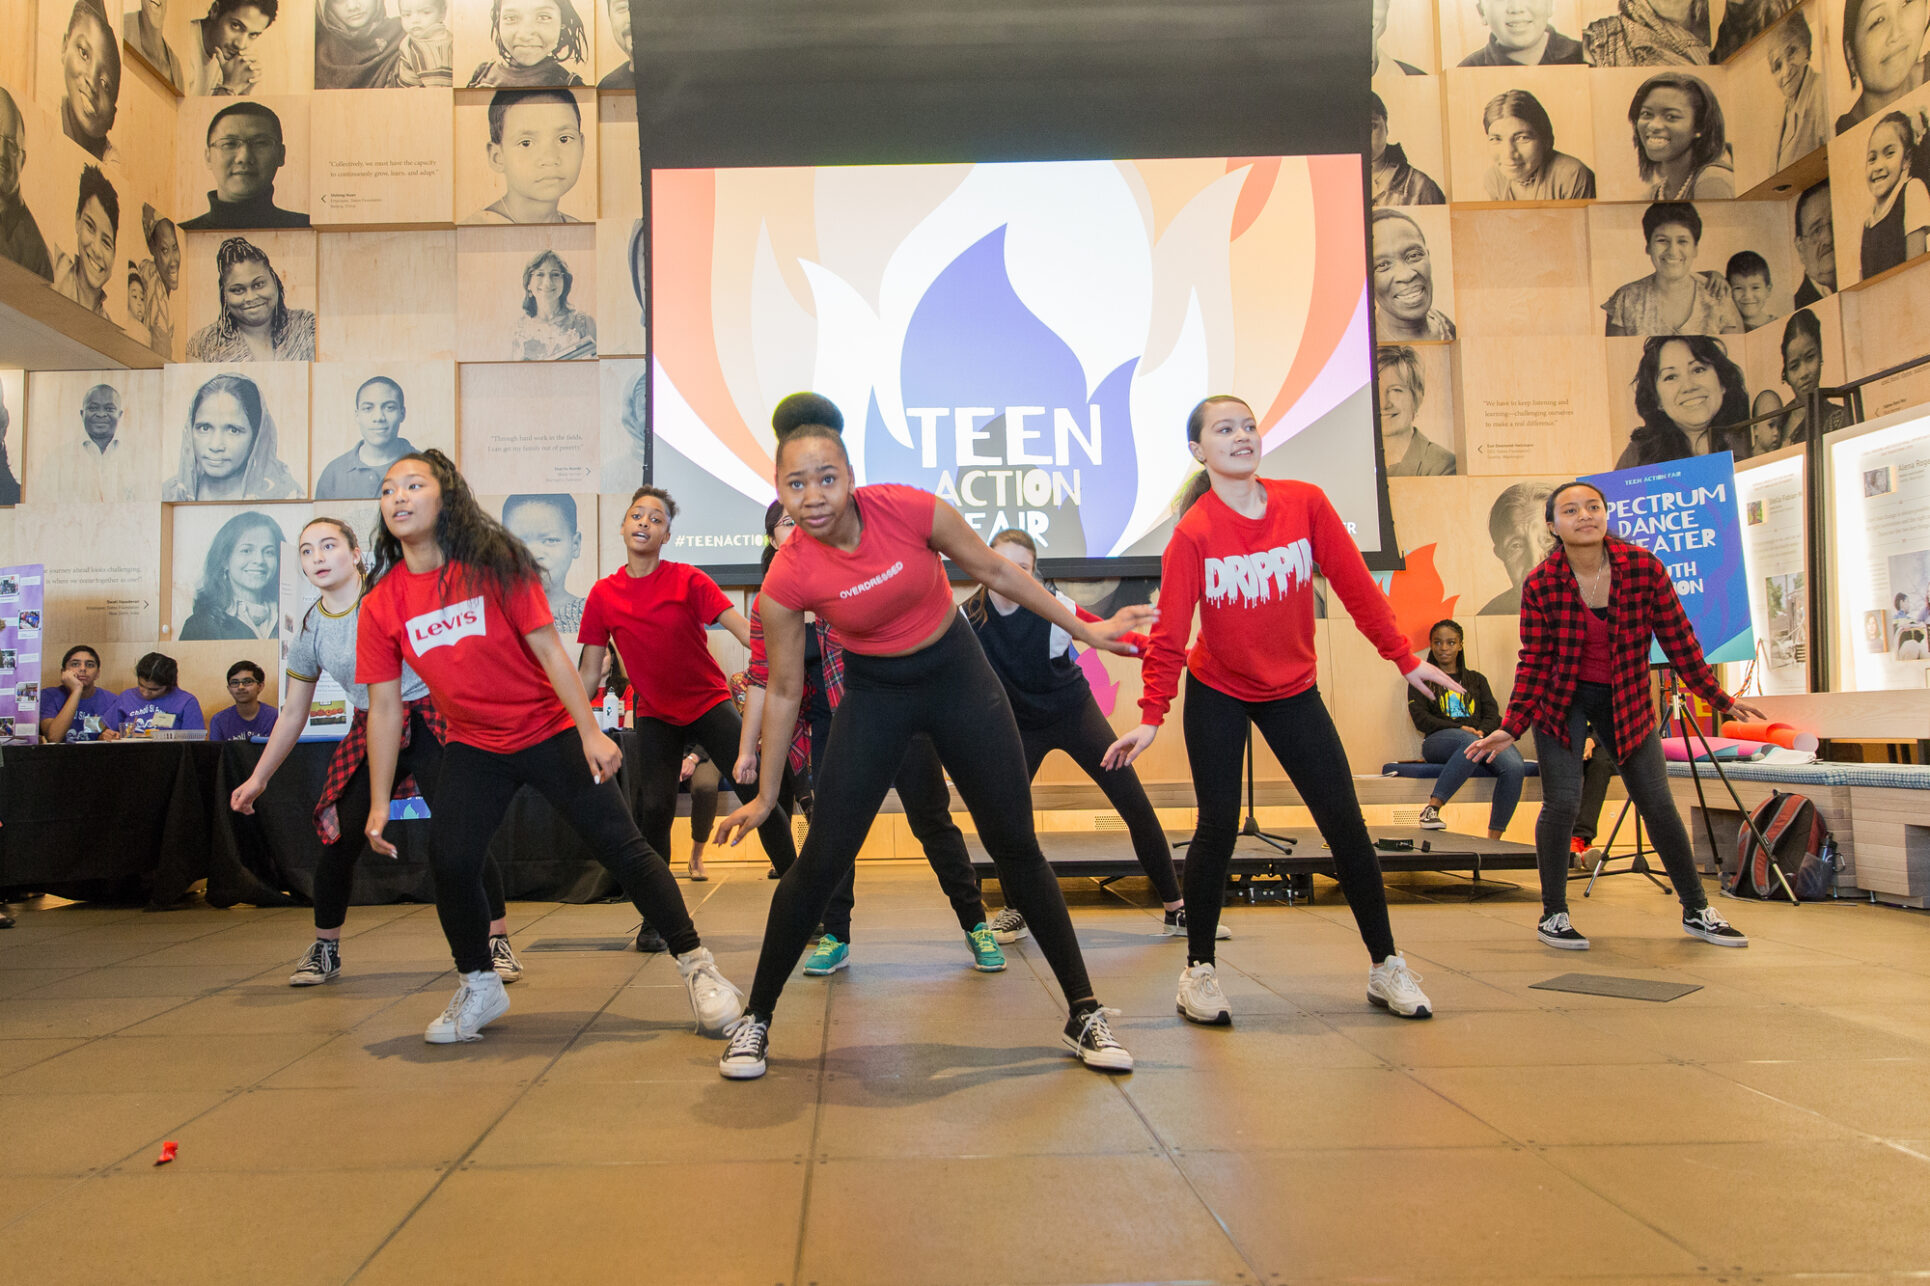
x,y
448,626
1253,577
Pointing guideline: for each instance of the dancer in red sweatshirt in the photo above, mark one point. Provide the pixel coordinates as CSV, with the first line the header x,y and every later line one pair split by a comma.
x,y
1244,553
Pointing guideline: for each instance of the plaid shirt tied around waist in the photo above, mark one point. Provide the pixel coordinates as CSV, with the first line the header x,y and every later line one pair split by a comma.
x,y
759,675
354,748
1642,604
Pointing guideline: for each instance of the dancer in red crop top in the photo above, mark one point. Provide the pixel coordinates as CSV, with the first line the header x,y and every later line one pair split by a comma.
x,y
460,601
1244,553
867,561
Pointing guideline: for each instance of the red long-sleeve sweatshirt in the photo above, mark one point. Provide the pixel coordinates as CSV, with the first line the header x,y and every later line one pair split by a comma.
x,y
1252,580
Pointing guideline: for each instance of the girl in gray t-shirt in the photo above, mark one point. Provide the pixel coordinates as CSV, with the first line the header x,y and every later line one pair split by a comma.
x,y
325,644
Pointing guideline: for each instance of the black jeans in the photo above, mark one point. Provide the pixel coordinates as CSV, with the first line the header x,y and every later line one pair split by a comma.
x,y
1084,735
335,874
660,752
1301,735
1644,773
928,811
947,690
475,792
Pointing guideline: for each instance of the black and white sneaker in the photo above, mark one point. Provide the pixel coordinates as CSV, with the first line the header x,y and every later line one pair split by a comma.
x,y
750,1040
1431,819
1091,1041
649,941
1008,926
322,963
1174,926
1710,927
503,960
1556,931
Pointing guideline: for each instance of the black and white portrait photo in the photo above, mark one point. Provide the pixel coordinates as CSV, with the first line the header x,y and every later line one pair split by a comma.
x,y
1407,279
368,415
237,589
86,274
232,52
255,322
550,328
90,70
1527,133
1410,433
1649,33
10,396
1798,79
230,448
20,236
513,44
160,278
246,150
1815,238
616,23
1679,144
1403,35
383,44
552,525
1691,398
1675,297
95,436
1520,538
1517,33
1805,358
1878,170
145,28
1396,179
536,152
625,386
1879,60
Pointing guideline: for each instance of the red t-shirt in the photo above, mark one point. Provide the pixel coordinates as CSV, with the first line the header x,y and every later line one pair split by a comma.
x,y
468,646
888,593
1252,581
1598,649
658,624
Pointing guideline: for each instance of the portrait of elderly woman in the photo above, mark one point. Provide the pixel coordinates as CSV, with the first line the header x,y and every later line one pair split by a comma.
x,y
90,64
228,447
240,588
1405,450
1404,282
1521,140
1675,299
256,324
549,329
1681,150
1689,394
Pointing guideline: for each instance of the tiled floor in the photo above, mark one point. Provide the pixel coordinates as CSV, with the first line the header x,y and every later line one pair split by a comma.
x,y
920,1123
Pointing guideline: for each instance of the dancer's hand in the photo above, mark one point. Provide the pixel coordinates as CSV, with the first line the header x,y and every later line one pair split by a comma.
x,y
744,772
690,766
1746,713
603,755
1427,673
245,795
746,819
1129,747
1490,746
374,834
1105,635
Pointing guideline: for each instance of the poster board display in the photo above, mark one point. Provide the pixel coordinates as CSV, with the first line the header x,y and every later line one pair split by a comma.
x,y
1775,552
1880,546
21,629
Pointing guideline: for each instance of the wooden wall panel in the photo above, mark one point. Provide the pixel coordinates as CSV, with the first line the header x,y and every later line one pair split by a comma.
x,y
1523,271
1437,418
620,451
1464,30
1406,36
1853,189
1398,285
383,156
281,59
387,296
619,166
562,530
1757,77
619,277
529,426
1619,249
104,577
224,554
1532,406
1884,324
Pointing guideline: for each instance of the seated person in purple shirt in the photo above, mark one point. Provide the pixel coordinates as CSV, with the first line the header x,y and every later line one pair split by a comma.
x,y
74,709
247,718
154,703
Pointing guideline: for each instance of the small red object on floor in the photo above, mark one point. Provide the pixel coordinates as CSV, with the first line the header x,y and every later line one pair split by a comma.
x,y
168,1150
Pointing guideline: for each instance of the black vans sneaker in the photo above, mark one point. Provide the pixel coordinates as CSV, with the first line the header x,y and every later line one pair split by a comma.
x,y
1710,927
649,941
1556,931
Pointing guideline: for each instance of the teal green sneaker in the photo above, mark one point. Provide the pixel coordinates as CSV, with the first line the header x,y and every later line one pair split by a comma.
x,y
831,956
986,956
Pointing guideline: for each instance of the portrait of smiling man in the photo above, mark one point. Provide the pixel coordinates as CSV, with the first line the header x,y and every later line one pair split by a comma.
x,y
98,464
356,474
245,149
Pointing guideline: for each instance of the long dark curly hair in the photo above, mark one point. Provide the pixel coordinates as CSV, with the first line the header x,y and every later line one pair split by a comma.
x,y
479,551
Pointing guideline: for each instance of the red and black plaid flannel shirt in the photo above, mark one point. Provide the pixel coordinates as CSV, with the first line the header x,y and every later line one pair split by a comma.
x,y
759,675
1642,603
354,748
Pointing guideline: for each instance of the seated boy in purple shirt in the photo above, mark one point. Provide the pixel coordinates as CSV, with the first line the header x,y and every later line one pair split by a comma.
x,y
247,718
72,708
154,703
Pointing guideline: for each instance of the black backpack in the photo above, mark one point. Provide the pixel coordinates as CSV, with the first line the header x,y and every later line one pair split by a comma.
x,y
1799,845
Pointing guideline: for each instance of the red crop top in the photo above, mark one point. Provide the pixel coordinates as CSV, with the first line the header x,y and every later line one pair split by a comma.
x,y
884,596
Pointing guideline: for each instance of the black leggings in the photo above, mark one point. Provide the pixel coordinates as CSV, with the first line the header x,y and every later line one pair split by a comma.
x,y
704,783
949,691
335,876
928,811
1301,735
1085,736
474,794
660,753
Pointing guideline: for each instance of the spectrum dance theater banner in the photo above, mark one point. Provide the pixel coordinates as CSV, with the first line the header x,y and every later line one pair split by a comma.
x,y
22,590
1684,512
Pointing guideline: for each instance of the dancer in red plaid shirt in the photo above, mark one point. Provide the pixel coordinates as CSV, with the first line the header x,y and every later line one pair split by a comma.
x,y
1587,614
331,559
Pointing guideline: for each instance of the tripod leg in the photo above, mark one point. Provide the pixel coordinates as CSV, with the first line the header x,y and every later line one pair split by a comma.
x,y
1748,819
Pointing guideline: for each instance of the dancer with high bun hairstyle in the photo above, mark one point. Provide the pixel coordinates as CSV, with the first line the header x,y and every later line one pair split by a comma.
x,y
1244,553
868,561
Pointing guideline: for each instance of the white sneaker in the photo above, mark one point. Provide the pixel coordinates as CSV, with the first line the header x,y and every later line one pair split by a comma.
x,y
503,960
714,1001
479,1001
1008,926
1200,998
1431,819
1397,989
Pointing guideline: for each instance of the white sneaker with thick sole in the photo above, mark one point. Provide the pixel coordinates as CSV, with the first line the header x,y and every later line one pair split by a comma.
x,y
1397,989
1200,998
479,1001
715,1002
